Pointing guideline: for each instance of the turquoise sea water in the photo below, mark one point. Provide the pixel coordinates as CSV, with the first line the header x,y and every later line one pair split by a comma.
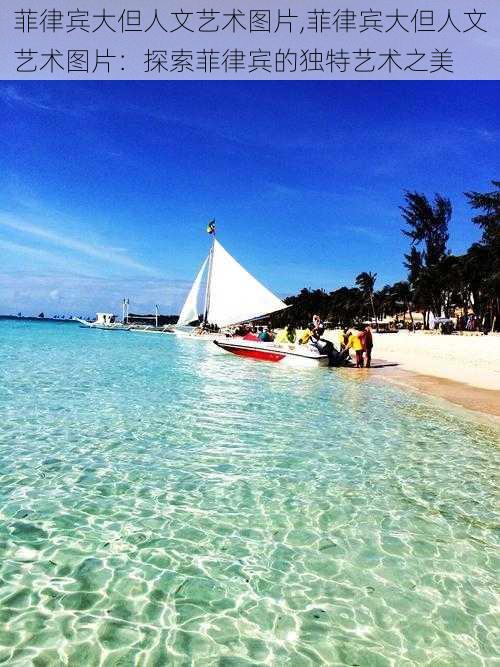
x,y
162,502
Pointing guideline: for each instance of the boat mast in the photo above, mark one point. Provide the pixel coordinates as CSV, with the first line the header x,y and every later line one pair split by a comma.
x,y
209,279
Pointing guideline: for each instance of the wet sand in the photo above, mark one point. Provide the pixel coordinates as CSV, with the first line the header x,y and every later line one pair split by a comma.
x,y
476,399
462,370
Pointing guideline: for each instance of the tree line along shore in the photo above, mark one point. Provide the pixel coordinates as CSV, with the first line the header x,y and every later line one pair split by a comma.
x,y
438,284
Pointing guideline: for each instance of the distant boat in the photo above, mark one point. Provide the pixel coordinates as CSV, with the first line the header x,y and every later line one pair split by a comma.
x,y
149,323
103,321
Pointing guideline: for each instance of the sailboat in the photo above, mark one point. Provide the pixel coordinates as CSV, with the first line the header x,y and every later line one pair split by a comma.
x,y
232,296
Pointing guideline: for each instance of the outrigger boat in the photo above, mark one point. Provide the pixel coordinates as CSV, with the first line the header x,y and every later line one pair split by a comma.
x,y
103,321
232,296
167,329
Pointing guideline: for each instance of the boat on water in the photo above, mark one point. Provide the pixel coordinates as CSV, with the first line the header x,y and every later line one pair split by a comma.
x,y
288,355
154,323
227,295
103,321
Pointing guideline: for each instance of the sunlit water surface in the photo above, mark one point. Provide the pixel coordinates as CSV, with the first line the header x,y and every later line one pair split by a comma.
x,y
164,503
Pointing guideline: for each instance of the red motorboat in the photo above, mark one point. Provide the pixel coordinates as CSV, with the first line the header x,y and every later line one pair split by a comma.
x,y
289,355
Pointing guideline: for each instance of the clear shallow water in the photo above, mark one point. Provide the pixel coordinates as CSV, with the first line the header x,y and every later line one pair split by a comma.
x,y
164,503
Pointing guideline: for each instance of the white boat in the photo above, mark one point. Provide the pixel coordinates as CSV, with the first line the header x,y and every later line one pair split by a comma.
x,y
226,295
103,321
287,355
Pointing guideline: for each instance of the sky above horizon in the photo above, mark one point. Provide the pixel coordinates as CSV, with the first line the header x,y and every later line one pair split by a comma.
x,y
106,187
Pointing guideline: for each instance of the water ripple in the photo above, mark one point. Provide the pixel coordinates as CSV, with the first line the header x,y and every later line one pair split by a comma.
x,y
163,503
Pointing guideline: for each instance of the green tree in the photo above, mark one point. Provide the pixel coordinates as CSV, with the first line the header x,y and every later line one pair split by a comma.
x,y
427,227
489,218
482,261
402,295
346,305
365,281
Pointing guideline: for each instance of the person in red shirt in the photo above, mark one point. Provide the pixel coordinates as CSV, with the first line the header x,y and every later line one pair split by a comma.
x,y
368,345
251,335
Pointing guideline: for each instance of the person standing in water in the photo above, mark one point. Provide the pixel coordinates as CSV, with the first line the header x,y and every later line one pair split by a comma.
x,y
344,339
356,343
368,345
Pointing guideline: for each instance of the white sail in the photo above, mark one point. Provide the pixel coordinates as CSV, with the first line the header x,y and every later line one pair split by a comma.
x,y
235,295
190,312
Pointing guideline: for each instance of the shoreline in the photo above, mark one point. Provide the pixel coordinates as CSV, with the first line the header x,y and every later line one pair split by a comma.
x,y
462,370
479,402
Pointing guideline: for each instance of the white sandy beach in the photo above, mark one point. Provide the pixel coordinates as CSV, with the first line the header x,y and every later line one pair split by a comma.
x,y
473,360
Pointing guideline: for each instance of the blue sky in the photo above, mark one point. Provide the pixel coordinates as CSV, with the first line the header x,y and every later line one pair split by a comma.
x,y
106,187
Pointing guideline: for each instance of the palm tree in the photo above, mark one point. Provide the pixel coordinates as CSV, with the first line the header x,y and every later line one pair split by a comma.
x,y
401,292
436,280
483,258
345,305
489,219
366,283
428,223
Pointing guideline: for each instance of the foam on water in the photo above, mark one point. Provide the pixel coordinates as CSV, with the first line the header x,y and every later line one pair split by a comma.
x,y
162,502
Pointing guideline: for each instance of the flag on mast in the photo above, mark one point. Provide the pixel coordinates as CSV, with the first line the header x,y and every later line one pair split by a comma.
x,y
211,227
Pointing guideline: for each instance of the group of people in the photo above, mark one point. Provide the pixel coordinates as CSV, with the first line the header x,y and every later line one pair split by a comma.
x,y
207,327
468,322
249,332
360,340
311,334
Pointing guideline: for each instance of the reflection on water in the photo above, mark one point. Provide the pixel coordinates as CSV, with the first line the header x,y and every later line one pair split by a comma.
x,y
164,503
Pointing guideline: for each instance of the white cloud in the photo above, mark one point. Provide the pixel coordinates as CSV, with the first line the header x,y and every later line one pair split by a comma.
x,y
39,100
108,254
38,255
12,95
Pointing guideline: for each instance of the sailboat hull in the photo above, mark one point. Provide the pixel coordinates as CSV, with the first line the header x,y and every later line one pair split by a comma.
x,y
273,353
